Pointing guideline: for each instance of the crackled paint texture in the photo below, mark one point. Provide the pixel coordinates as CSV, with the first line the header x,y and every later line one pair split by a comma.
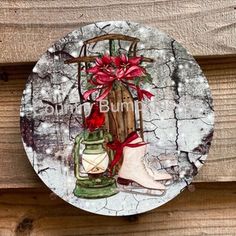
x,y
178,123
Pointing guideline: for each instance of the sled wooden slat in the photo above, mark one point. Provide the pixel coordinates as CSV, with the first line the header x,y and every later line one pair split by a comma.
x,y
121,122
111,37
81,59
122,129
128,115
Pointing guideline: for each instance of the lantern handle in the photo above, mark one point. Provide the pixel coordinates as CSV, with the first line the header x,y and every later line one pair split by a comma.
x,y
79,138
109,138
111,152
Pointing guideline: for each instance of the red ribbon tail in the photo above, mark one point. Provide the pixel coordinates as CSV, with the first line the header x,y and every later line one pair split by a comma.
x,y
88,93
104,93
116,159
140,92
143,92
132,145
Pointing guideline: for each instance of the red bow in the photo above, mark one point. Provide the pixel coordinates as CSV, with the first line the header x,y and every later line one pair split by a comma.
x,y
108,70
118,147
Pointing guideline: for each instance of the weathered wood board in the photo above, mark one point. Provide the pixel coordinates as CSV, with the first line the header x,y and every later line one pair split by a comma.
x,y
16,172
27,28
209,210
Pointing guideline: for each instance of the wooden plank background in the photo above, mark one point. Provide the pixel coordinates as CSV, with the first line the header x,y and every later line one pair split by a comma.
x,y
209,210
28,28
207,28
16,172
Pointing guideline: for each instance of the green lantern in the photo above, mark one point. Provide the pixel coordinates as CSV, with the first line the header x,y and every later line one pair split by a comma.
x,y
91,166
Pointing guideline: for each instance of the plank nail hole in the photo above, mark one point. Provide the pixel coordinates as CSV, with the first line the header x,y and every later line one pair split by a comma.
x,y
25,225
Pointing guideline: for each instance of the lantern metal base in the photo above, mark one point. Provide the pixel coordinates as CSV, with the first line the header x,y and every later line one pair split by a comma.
x,y
95,188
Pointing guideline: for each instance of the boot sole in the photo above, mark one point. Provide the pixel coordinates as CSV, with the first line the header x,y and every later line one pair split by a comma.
x,y
127,182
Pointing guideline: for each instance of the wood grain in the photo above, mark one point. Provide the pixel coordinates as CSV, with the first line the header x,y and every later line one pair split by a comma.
x,y
209,210
27,28
16,172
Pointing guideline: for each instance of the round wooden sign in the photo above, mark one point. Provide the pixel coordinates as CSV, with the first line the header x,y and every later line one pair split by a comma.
x,y
116,118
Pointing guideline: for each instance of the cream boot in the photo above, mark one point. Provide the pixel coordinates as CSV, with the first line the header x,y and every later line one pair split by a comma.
x,y
133,170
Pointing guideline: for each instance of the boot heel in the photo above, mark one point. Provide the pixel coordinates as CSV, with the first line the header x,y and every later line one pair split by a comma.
x,y
124,181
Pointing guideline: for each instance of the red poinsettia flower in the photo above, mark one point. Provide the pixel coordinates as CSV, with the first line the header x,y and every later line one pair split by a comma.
x,y
96,118
128,68
103,64
124,61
